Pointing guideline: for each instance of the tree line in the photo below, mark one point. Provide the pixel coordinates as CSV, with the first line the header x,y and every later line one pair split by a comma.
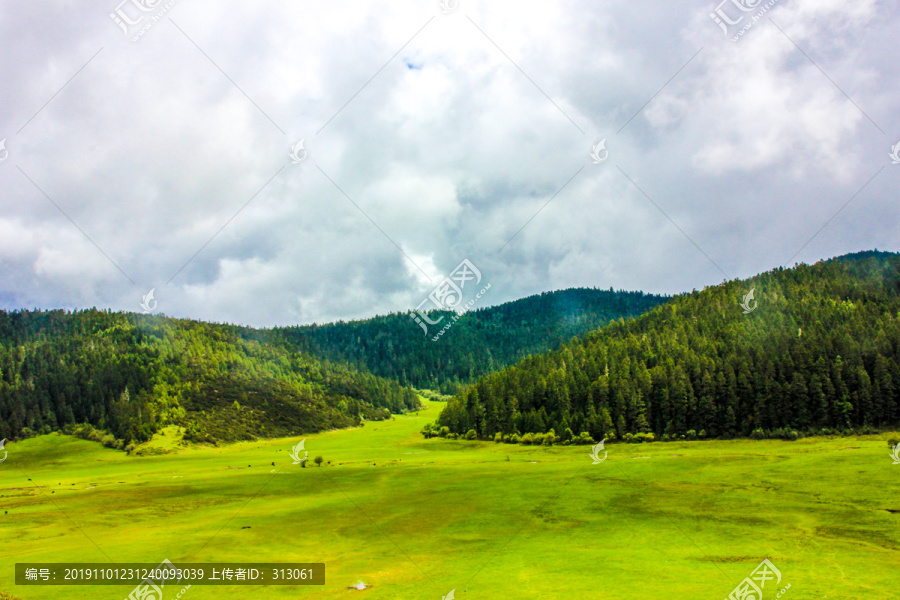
x,y
131,374
481,342
820,353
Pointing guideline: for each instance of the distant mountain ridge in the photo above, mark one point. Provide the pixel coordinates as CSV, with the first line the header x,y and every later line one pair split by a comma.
x,y
132,374
817,349
480,342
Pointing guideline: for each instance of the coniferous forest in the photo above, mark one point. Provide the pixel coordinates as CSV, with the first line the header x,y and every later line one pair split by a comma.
x,y
131,374
484,341
820,353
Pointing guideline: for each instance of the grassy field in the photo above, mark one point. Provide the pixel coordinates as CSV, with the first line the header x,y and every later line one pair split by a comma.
x,y
415,518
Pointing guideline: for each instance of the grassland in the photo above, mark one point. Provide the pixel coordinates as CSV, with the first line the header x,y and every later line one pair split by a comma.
x,y
415,518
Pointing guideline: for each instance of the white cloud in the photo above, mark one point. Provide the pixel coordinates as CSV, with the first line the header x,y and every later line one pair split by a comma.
x,y
151,149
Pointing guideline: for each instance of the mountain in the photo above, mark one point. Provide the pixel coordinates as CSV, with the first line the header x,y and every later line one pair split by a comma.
x,y
132,374
479,342
816,348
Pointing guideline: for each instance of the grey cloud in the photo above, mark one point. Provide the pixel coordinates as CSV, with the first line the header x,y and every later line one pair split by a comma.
x,y
150,149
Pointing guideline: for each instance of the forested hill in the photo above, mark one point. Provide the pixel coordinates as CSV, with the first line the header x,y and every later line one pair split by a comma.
x,y
131,374
820,350
480,342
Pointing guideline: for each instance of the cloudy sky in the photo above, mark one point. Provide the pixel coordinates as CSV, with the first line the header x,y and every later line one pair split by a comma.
x,y
154,152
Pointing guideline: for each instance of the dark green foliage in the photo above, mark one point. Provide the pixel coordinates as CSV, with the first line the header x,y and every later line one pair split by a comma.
x,y
822,350
131,374
480,342
434,396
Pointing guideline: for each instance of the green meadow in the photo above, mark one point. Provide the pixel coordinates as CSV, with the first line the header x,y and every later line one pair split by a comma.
x,y
417,518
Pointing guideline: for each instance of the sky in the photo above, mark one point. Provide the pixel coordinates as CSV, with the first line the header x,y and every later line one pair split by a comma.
x,y
275,163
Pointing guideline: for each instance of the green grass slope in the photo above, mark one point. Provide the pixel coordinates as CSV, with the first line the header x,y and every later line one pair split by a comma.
x,y
415,518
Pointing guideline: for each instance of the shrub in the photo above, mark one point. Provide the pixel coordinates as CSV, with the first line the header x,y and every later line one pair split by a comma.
x,y
471,435
498,438
585,438
629,438
640,438
444,431
528,439
550,438
691,434
785,433
452,436
567,435
318,460
893,441
514,439
539,439
758,434
702,434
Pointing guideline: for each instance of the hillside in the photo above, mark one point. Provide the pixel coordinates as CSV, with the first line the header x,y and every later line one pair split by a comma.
x,y
481,342
132,374
821,350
